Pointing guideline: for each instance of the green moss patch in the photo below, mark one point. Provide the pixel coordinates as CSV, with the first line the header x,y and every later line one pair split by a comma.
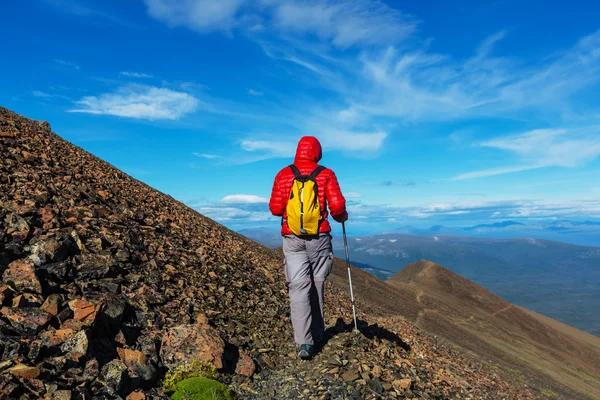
x,y
201,389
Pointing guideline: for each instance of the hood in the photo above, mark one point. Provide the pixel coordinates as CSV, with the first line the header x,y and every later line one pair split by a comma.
x,y
309,149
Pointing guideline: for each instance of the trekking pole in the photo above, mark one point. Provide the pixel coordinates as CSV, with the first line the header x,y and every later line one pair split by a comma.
x,y
350,280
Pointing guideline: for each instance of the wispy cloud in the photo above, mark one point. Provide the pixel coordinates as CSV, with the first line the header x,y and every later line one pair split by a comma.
x,y
544,148
141,102
343,24
135,75
255,92
38,93
198,15
272,149
66,63
79,8
407,183
207,156
377,75
45,95
352,195
352,141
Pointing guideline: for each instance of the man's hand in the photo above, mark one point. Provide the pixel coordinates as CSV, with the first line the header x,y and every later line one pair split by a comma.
x,y
343,217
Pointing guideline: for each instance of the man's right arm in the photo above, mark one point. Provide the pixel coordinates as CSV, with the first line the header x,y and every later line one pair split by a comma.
x,y
336,200
277,202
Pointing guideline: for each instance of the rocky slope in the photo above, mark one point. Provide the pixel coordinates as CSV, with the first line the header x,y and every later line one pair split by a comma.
x,y
107,283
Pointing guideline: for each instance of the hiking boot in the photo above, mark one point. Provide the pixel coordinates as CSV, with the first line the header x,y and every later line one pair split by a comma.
x,y
305,351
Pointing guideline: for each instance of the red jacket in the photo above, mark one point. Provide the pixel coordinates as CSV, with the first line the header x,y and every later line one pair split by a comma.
x,y
308,155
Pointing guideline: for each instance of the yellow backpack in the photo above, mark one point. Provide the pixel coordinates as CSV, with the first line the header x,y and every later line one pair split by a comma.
x,y
303,210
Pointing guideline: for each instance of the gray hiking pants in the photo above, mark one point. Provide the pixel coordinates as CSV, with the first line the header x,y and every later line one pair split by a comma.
x,y
308,263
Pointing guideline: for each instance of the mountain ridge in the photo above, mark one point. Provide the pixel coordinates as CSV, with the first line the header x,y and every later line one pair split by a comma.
x,y
546,352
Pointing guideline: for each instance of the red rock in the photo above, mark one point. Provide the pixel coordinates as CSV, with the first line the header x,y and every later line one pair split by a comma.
x,y
28,156
184,343
52,304
20,274
245,365
136,396
83,310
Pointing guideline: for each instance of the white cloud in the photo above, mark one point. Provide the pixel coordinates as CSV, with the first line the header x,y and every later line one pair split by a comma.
x,y
135,74
141,102
66,63
199,15
244,198
207,156
344,24
544,148
352,195
255,92
226,214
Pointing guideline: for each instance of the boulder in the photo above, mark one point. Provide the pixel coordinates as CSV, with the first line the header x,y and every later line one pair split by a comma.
x,y
77,345
26,319
24,372
245,365
52,304
187,342
114,376
20,274
83,310
137,364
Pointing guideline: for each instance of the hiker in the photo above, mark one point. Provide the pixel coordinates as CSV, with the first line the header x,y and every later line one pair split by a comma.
x,y
306,237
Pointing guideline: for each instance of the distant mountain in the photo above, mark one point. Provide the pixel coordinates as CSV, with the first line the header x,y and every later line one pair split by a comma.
x,y
269,237
585,233
559,280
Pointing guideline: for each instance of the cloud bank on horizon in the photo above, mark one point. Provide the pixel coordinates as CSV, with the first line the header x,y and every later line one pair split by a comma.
x,y
424,113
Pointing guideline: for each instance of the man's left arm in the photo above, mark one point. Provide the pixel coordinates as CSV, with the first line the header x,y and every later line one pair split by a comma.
x,y
336,200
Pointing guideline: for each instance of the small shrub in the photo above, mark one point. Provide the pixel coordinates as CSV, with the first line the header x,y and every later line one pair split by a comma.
x,y
201,389
195,369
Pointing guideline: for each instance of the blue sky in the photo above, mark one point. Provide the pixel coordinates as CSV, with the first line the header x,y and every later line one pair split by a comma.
x,y
454,113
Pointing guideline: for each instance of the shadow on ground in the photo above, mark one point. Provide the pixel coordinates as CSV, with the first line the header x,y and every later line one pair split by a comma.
x,y
365,330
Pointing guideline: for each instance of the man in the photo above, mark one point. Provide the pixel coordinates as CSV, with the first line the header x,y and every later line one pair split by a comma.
x,y
308,258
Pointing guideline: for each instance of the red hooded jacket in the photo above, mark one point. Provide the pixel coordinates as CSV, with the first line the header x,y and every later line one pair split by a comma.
x,y
308,155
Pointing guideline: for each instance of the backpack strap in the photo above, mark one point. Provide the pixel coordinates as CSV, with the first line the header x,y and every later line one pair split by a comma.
x,y
296,171
316,172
